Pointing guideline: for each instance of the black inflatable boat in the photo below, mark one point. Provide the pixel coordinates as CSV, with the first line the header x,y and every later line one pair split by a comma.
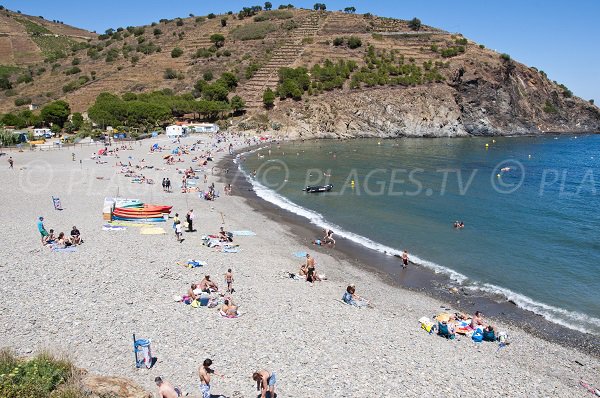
x,y
318,188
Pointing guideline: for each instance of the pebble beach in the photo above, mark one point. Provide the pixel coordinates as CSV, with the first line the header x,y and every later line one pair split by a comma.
x,y
88,303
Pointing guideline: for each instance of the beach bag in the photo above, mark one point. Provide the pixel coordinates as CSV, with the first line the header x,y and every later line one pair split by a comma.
x,y
489,335
477,336
426,324
195,304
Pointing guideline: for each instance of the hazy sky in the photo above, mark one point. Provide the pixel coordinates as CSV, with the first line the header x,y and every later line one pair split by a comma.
x,y
559,37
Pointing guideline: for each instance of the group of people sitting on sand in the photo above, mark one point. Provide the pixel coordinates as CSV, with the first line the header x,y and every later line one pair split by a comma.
x,y
61,241
206,293
462,323
308,270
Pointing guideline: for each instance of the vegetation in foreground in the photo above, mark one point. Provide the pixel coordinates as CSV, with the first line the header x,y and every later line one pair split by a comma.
x,y
42,376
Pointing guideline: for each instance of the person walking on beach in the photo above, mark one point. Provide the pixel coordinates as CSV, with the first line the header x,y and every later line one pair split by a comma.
x,y
168,185
229,281
205,373
164,184
178,231
42,229
265,382
166,389
190,220
11,163
405,258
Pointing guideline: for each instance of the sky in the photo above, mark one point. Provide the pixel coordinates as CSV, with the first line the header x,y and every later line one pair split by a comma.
x,y
558,37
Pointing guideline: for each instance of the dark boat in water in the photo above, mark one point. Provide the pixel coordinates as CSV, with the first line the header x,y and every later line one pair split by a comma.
x,y
318,188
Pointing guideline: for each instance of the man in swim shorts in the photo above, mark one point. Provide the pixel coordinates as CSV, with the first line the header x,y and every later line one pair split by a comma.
x,y
405,259
265,381
166,389
204,372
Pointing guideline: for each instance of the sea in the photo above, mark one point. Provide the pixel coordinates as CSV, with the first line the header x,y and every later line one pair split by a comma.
x,y
530,208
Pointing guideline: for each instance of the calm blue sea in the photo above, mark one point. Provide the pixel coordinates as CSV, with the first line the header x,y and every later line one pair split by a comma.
x,y
530,207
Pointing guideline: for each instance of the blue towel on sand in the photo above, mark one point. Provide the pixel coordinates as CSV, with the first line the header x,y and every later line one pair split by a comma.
x,y
69,249
300,254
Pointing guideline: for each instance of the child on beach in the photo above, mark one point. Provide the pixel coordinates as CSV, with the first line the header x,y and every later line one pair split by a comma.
x,y
178,231
265,382
229,281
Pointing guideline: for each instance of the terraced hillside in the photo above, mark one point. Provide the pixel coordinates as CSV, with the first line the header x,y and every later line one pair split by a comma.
x,y
403,79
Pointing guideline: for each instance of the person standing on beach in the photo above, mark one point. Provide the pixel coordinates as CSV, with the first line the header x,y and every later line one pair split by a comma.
x,y
42,229
166,389
190,220
265,381
178,231
168,185
405,258
11,162
164,184
229,281
205,375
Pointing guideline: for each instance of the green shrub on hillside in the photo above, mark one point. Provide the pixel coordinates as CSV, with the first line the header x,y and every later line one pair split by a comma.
x,y
505,57
354,42
414,24
207,76
176,52
251,70
157,32
255,31
338,41
211,16
217,39
274,14
332,75
549,108
74,85
452,51
22,101
293,82
25,78
202,53
268,97
5,84
147,48
72,71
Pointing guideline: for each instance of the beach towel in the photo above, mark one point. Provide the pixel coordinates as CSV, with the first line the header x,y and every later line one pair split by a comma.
x,y
230,249
224,315
193,264
69,249
152,231
300,254
243,233
108,227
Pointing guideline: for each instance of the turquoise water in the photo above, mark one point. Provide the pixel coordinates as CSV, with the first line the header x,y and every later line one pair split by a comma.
x,y
532,233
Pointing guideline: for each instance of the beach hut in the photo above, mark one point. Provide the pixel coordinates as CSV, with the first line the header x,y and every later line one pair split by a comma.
x,y
205,128
175,131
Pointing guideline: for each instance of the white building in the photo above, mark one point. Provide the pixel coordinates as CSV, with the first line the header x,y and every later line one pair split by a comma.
x,y
43,132
175,131
204,128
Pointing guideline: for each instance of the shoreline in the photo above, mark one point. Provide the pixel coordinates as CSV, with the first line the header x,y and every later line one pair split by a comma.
x,y
89,302
416,278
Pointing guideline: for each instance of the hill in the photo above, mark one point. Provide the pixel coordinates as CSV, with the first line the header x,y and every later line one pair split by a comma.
x,y
375,75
